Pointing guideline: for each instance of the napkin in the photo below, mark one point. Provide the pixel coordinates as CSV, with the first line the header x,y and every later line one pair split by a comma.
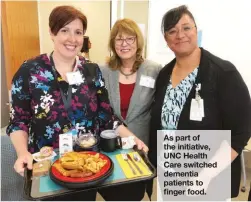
x,y
127,170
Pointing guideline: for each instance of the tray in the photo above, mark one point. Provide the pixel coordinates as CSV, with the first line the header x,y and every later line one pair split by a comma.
x,y
50,195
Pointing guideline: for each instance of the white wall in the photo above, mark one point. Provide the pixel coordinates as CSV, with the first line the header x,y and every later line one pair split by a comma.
x,y
98,28
225,25
131,11
137,11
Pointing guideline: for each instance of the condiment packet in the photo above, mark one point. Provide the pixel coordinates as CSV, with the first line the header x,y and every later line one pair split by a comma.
x,y
128,142
37,156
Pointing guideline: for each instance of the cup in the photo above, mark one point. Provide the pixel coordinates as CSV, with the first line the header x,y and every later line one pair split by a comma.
x,y
110,141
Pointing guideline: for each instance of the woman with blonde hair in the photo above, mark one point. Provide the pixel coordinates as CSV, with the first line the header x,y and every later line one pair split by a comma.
x,y
130,81
129,78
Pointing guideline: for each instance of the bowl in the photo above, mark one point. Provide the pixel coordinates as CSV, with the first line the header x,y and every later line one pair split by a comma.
x,y
86,142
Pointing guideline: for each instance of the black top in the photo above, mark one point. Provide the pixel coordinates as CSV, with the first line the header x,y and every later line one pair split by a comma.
x,y
227,106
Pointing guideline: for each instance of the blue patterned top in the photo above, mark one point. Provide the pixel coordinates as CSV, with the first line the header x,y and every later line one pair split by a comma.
x,y
174,101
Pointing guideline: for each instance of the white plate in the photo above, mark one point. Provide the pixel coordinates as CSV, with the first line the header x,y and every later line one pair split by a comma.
x,y
37,157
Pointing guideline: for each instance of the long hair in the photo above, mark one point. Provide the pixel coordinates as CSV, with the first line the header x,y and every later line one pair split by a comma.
x,y
126,26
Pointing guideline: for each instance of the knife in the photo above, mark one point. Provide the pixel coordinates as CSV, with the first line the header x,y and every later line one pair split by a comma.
x,y
137,167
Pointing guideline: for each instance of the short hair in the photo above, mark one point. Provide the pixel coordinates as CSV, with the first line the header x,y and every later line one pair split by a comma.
x,y
63,15
172,17
127,26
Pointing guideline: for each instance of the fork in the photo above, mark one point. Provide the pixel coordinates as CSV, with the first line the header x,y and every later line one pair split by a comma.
x,y
138,159
126,159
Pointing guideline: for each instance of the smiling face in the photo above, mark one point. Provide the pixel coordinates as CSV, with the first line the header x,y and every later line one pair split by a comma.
x,y
182,38
69,39
125,46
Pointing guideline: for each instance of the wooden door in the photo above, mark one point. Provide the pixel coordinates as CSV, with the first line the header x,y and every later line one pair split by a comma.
x,y
20,34
4,91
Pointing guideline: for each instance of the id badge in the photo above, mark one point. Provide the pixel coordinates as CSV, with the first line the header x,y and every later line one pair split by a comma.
x,y
202,107
65,143
74,77
195,111
147,81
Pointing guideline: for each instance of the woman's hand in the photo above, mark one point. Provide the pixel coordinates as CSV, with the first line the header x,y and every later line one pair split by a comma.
x,y
124,132
19,139
24,158
141,145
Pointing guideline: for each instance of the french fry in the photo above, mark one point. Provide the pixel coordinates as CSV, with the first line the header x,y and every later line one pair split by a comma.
x,y
74,164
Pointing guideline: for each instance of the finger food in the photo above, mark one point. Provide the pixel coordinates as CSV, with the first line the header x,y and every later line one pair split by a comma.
x,y
74,164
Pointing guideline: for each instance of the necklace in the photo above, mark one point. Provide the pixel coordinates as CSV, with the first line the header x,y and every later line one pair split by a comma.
x,y
126,75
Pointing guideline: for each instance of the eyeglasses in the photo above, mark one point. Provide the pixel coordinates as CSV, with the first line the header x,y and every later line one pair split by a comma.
x,y
185,29
129,40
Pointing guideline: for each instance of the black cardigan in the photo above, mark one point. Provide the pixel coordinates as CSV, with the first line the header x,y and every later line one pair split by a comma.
x,y
227,106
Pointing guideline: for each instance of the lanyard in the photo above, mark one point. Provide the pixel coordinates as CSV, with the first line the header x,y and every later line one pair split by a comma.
x,y
197,94
66,100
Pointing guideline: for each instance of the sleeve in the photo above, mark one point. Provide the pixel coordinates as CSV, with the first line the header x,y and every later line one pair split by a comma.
x,y
159,68
235,106
106,117
103,69
20,110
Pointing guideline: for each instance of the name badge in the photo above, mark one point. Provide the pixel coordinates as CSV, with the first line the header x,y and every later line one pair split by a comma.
x,y
197,110
65,143
147,81
74,77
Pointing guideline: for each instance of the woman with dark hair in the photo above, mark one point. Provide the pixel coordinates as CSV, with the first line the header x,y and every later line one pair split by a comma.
x,y
53,93
197,74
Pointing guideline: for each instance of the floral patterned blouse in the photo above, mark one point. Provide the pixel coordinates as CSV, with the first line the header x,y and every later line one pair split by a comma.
x,y
37,106
174,101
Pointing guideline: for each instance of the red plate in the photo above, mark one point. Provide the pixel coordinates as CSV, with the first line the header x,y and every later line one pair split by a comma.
x,y
56,174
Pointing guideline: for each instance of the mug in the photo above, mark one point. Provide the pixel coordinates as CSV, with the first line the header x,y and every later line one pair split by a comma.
x,y
110,141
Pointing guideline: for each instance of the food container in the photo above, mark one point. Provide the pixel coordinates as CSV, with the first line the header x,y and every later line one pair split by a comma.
x,y
87,142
